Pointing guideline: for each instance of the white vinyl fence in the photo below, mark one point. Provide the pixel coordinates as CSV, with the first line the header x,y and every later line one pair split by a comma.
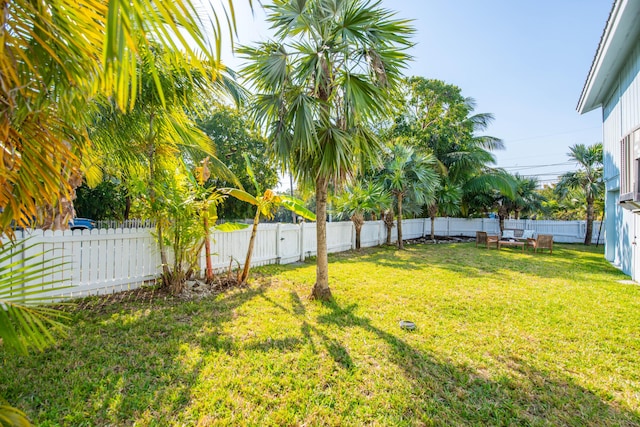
x,y
104,261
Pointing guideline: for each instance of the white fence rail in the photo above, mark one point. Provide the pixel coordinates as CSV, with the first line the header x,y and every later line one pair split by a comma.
x,y
105,261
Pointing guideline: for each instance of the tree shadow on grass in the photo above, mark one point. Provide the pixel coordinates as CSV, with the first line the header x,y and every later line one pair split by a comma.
x,y
472,262
132,363
334,348
459,395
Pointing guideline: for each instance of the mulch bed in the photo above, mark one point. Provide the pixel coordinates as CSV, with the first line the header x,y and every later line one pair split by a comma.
x,y
194,289
439,239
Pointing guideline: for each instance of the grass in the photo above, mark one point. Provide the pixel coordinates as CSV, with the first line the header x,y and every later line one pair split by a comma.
x,y
503,338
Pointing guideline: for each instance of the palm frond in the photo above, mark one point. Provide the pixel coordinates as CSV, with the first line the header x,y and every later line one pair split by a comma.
x,y
24,282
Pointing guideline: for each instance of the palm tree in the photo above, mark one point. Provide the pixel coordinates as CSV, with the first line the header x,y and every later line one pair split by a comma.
x,y
526,197
410,176
56,56
587,180
447,201
149,141
359,199
331,71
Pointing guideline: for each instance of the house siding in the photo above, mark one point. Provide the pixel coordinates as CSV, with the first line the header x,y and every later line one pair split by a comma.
x,y
621,115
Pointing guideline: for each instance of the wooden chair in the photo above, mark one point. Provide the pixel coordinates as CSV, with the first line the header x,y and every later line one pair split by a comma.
x,y
482,238
543,241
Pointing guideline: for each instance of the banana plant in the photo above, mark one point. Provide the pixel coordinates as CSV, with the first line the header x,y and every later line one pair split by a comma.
x,y
266,203
209,198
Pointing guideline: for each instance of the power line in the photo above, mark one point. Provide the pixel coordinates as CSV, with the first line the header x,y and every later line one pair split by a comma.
x,y
537,166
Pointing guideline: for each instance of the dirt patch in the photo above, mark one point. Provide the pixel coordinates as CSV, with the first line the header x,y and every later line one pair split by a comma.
x,y
427,240
194,289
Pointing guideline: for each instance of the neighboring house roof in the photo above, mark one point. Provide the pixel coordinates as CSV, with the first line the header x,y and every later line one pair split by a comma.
x,y
619,37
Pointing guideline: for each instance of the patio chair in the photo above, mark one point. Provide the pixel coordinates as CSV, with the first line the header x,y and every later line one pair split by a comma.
x,y
543,241
482,238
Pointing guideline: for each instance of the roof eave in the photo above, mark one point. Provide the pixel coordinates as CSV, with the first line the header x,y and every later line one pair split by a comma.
x,y
618,38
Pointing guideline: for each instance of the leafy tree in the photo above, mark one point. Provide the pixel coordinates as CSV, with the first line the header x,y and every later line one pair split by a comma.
x,y
587,180
410,177
107,200
572,207
233,139
359,199
330,73
440,120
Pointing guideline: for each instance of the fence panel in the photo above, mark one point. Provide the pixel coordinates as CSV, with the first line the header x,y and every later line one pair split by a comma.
x,y
562,231
372,234
468,226
340,236
413,228
108,260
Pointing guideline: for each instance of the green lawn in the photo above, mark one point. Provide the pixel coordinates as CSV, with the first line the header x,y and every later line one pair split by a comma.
x,y
503,338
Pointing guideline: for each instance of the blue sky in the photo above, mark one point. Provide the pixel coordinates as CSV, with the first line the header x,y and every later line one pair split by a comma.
x,y
523,61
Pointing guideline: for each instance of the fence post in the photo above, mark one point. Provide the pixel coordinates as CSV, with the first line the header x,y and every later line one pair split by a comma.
x,y
353,235
301,225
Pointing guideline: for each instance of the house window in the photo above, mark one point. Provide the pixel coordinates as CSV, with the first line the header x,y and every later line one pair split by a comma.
x,y
630,166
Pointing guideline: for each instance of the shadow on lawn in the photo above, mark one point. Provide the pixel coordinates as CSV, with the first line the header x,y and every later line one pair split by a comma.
x,y
336,350
477,262
448,394
457,395
119,370
106,372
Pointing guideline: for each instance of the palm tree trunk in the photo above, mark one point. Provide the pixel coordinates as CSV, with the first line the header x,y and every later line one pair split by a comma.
x,y
321,289
163,250
502,214
358,221
590,213
388,222
433,211
247,262
400,242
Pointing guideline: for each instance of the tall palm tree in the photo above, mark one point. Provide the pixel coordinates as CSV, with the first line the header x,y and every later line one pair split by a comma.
x,y
331,71
410,177
447,201
587,179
